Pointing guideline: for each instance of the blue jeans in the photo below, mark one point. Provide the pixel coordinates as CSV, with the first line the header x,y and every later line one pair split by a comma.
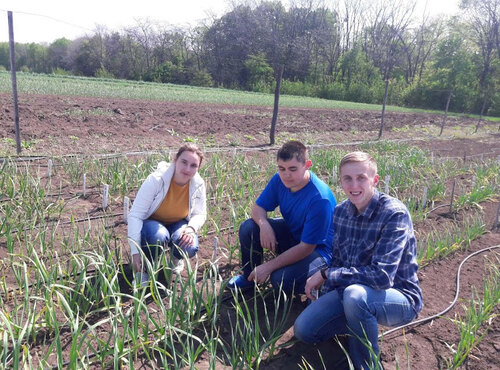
x,y
357,311
154,235
291,278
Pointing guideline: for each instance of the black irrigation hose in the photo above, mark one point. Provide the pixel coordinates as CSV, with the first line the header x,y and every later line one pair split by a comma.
x,y
457,292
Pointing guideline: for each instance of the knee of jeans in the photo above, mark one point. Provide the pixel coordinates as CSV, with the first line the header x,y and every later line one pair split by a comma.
x,y
158,238
301,330
247,228
354,298
191,251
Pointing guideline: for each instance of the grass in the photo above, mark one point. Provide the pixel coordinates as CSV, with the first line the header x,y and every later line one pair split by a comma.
x,y
478,311
30,83
65,294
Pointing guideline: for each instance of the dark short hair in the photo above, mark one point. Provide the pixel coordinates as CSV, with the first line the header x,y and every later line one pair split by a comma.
x,y
190,147
292,149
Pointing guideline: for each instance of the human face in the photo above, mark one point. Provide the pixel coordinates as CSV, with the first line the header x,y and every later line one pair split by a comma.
x,y
358,181
293,173
186,166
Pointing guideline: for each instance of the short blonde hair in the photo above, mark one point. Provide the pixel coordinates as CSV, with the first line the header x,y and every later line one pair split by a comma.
x,y
358,157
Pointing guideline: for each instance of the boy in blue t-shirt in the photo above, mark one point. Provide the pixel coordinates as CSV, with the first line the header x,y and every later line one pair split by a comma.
x,y
302,239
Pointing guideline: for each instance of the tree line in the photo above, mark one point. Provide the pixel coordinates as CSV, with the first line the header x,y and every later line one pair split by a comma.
x,y
370,51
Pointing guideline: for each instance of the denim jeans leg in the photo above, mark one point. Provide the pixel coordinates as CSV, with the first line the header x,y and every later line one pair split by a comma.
x,y
175,231
154,235
292,278
364,308
251,249
322,319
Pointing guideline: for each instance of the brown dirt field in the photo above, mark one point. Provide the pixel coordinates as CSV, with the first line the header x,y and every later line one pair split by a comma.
x,y
68,125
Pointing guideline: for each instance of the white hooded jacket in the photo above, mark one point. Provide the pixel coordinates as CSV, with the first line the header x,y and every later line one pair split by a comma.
x,y
151,194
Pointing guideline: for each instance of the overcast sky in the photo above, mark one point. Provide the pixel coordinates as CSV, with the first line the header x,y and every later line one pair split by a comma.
x,y
48,20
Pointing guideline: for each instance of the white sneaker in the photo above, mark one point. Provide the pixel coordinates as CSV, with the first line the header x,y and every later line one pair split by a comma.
x,y
178,264
141,280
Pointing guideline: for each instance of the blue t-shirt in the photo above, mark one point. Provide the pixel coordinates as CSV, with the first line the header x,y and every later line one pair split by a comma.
x,y
308,212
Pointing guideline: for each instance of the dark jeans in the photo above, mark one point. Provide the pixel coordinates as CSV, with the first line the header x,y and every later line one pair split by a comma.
x,y
291,278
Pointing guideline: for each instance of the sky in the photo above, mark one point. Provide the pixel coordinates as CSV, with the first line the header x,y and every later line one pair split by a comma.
x,y
43,21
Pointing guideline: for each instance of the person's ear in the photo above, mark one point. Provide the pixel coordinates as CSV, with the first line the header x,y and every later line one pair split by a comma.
x,y
308,163
375,179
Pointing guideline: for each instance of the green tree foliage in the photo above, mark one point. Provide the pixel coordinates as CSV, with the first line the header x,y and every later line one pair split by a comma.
x,y
347,50
259,73
4,55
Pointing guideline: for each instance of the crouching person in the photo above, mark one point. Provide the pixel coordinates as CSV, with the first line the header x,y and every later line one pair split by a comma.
x,y
169,209
301,239
372,278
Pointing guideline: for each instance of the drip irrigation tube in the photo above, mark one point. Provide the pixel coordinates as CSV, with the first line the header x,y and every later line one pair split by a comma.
x,y
457,292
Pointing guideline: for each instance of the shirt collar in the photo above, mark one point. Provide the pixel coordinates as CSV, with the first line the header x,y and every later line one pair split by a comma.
x,y
370,209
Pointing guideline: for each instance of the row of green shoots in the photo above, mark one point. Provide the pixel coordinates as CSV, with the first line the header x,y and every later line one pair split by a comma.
x,y
66,294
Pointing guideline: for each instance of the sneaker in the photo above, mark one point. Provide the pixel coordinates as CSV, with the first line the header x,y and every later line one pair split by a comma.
x,y
178,265
141,280
241,282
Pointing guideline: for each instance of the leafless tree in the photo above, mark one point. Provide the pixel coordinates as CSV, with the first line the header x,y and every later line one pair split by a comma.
x,y
387,22
483,18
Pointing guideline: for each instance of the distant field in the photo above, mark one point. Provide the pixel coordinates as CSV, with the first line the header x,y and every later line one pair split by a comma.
x,y
84,86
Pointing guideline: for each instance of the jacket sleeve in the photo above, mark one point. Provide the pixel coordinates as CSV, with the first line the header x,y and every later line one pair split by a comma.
x,y
199,212
140,208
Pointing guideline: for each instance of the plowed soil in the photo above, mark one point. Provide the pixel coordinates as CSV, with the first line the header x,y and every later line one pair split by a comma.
x,y
55,125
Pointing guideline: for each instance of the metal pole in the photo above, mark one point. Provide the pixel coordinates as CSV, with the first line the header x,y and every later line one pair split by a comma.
x,y
14,80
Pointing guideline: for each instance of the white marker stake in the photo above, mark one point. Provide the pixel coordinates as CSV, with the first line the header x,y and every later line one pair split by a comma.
x,y
334,175
387,180
216,246
126,202
498,216
424,201
49,168
84,185
105,195
452,195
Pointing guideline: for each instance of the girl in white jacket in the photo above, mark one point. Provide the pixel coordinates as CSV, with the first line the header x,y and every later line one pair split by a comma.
x,y
169,209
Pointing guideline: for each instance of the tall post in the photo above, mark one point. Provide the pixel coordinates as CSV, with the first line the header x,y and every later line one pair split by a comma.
x,y
14,81
279,76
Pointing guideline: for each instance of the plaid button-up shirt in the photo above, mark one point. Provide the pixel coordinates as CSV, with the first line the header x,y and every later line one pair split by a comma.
x,y
376,248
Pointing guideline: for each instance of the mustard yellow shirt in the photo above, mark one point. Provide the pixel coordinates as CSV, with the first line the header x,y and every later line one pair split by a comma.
x,y
175,205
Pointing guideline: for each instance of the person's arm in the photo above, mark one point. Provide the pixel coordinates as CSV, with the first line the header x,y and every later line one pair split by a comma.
x,y
138,213
198,217
262,272
199,214
388,251
267,236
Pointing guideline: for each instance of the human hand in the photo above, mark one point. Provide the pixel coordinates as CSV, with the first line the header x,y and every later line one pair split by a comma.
x,y
137,262
313,283
260,274
187,237
267,237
